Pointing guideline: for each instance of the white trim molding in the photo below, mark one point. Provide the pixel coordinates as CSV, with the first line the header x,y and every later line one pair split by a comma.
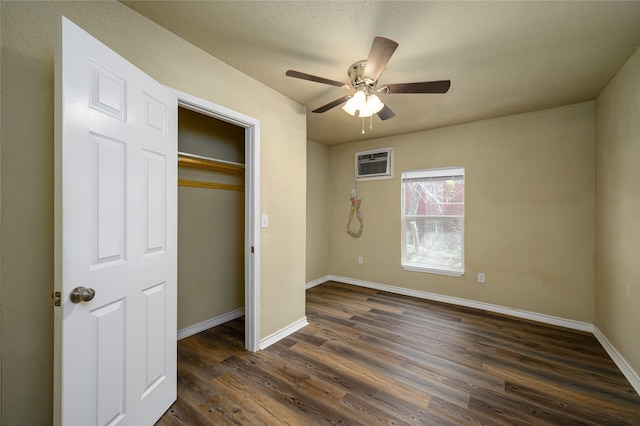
x,y
281,334
317,281
547,319
252,206
623,365
212,322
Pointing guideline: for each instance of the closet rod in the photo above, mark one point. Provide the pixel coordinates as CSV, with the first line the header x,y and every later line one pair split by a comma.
x,y
210,185
198,162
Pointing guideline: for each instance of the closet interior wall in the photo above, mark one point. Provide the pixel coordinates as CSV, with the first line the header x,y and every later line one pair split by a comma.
x,y
210,222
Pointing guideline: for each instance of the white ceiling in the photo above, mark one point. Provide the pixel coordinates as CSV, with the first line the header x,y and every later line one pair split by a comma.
x,y
501,57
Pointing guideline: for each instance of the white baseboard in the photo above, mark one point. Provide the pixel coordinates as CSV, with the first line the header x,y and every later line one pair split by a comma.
x,y
622,364
205,325
317,281
547,319
278,335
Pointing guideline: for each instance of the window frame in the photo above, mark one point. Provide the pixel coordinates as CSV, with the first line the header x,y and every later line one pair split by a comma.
x,y
420,267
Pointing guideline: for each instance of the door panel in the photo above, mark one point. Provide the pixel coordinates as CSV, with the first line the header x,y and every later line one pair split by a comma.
x,y
108,200
116,171
155,368
155,188
108,92
108,362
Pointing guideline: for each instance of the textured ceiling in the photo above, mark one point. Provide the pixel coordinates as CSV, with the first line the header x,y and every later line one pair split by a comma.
x,y
501,57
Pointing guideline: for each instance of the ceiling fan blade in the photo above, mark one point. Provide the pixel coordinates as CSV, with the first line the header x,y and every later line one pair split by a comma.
x,y
332,104
386,113
303,76
380,53
441,86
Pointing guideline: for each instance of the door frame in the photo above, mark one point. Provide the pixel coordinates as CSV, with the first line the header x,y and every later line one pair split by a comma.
x,y
252,207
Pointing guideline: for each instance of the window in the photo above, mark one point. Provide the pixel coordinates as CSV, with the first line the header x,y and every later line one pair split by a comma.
x,y
433,221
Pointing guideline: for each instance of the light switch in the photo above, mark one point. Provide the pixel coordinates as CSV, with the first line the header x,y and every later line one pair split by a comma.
x,y
265,221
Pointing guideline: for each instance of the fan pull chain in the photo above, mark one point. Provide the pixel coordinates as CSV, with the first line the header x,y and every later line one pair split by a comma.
x,y
370,123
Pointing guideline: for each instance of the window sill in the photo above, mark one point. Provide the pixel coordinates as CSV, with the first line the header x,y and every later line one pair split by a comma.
x,y
419,268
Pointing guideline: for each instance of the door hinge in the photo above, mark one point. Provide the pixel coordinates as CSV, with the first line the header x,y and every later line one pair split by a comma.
x,y
252,251
56,298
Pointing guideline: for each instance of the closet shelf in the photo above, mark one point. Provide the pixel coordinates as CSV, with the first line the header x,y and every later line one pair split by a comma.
x,y
197,162
210,185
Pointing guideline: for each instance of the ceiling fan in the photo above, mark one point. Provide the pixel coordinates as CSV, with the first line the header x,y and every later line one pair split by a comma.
x,y
363,76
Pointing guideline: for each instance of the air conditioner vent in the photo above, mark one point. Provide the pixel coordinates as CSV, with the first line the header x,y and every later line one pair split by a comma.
x,y
374,164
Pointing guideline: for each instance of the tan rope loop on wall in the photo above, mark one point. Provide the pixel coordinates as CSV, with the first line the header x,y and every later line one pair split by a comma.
x,y
355,206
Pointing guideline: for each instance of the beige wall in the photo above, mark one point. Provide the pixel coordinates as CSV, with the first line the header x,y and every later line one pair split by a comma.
x,y
529,222
617,278
210,254
201,134
210,223
317,211
26,219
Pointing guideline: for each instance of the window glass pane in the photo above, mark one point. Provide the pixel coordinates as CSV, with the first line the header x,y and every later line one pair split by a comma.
x,y
433,219
435,197
434,242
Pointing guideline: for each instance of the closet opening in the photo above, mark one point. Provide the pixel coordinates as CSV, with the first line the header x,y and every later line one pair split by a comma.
x,y
212,217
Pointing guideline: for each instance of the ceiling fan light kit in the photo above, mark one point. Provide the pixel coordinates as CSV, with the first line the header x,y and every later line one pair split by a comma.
x,y
363,76
366,105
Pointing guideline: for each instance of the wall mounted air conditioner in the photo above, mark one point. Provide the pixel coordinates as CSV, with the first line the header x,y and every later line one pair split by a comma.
x,y
374,164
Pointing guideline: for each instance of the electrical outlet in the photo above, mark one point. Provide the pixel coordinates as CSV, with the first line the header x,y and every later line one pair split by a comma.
x,y
481,277
360,260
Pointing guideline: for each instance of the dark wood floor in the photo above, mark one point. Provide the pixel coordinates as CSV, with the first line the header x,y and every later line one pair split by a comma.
x,y
369,357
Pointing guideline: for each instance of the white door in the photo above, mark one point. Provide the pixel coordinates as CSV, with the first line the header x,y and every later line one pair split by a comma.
x,y
116,171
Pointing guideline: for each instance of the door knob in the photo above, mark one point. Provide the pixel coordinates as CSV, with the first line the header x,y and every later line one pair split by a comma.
x,y
81,294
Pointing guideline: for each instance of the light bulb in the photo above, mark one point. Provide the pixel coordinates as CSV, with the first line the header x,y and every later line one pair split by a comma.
x,y
365,112
374,104
357,101
348,108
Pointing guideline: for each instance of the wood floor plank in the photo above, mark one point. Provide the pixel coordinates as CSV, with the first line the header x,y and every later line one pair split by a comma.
x,y
371,357
181,413
406,403
403,370
444,413
562,408
251,405
364,410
